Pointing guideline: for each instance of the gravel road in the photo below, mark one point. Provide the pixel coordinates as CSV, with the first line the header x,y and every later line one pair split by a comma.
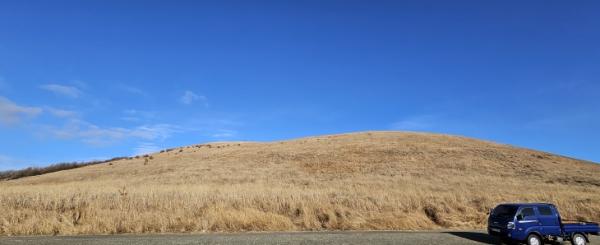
x,y
374,237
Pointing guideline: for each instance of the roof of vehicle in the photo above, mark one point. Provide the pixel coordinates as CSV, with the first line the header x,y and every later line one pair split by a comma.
x,y
526,204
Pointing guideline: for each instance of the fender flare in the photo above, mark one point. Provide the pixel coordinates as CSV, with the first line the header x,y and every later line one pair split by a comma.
x,y
537,233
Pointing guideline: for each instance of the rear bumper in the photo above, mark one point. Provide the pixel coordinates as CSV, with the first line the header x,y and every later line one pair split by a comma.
x,y
498,232
504,233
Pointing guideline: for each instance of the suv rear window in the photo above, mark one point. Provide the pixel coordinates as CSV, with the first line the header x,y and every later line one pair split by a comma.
x,y
505,210
544,210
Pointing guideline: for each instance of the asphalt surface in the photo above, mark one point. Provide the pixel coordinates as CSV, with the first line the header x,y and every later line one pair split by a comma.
x,y
375,238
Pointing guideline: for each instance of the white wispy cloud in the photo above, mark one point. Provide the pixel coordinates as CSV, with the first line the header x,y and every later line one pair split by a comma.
x,y
416,123
61,112
11,113
96,135
224,133
132,90
133,115
190,97
146,148
63,90
155,131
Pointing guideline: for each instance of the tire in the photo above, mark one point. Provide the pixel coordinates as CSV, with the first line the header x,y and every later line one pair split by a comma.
x,y
578,239
534,239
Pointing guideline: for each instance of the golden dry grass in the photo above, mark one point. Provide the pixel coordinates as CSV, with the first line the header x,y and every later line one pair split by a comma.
x,y
361,181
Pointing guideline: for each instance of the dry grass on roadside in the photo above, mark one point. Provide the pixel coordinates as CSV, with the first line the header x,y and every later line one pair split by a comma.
x,y
377,180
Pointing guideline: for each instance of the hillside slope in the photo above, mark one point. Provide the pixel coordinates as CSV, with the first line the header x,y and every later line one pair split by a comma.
x,y
371,180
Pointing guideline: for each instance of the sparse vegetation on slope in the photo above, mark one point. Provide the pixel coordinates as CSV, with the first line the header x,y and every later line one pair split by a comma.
x,y
377,180
34,171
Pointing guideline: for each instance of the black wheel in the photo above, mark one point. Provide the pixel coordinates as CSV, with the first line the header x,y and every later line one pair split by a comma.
x,y
534,239
578,239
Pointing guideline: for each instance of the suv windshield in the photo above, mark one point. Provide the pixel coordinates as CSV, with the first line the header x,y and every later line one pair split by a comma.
x,y
505,211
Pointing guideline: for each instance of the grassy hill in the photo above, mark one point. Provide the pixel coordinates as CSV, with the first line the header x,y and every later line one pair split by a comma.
x,y
359,181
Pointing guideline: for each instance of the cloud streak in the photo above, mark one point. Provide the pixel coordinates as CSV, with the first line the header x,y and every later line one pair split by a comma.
x,y
146,148
62,90
416,123
190,97
224,133
99,136
137,115
132,90
60,112
11,113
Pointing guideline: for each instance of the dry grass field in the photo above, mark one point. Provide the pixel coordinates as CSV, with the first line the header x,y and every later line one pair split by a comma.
x,y
360,181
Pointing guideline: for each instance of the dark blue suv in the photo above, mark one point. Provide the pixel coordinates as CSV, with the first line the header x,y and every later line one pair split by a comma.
x,y
535,223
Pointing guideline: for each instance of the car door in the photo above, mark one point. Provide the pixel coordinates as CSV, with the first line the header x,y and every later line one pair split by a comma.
x,y
527,220
548,218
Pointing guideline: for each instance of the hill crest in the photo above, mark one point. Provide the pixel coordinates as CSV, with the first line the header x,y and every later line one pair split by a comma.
x,y
368,180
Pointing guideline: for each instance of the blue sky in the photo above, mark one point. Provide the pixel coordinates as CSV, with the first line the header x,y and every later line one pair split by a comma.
x,y
84,80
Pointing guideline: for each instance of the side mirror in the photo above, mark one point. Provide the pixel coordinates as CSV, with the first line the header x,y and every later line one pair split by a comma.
x,y
519,217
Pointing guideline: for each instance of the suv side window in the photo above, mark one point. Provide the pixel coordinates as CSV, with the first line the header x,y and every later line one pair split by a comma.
x,y
545,210
527,212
